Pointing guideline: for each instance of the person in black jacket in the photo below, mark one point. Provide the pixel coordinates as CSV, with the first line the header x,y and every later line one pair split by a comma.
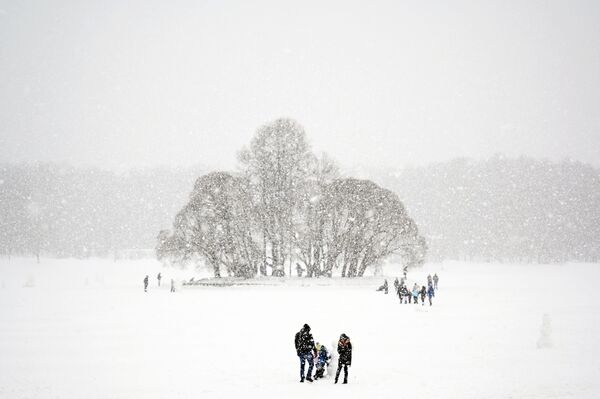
x,y
345,350
305,349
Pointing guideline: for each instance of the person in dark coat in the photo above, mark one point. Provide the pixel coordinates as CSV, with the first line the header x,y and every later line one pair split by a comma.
x,y
430,293
423,293
158,278
146,283
399,291
305,349
345,351
404,294
384,287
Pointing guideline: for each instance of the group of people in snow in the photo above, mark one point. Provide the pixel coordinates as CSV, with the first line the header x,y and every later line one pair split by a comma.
x,y
413,295
158,277
318,355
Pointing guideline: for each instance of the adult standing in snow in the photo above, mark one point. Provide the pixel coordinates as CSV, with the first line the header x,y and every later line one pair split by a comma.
x,y
305,347
404,294
430,285
423,294
158,278
345,360
430,293
399,291
172,285
415,294
435,281
146,283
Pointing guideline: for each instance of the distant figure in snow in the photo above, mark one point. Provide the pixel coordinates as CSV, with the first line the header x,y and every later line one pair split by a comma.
x,y
345,350
172,285
404,294
429,279
305,349
384,287
158,278
435,281
430,285
146,283
299,270
396,284
323,359
423,294
430,293
415,294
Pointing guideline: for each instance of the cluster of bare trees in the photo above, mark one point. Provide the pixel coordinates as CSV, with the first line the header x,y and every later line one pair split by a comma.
x,y
287,207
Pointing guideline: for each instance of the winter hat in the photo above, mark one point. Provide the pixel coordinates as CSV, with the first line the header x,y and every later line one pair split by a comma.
x,y
306,327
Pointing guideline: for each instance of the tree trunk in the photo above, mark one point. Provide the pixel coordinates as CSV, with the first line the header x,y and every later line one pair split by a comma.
x,y
263,266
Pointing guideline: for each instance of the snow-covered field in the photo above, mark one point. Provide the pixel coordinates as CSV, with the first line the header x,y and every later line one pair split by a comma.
x,y
86,329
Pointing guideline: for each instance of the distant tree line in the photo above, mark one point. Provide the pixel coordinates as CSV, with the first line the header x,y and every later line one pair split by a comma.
x,y
288,209
504,209
494,210
59,211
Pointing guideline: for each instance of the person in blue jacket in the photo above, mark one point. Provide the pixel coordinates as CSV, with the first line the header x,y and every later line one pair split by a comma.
x,y
430,293
323,359
415,294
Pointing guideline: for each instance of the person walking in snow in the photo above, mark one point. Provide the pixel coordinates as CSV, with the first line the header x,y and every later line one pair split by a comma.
x,y
399,291
430,293
435,281
429,280
345,360
404,294
158,278
423,293
305,349
146,283
396,284
172,285
415,294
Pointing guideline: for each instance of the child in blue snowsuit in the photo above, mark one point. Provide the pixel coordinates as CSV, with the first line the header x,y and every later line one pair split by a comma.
x,y
322,360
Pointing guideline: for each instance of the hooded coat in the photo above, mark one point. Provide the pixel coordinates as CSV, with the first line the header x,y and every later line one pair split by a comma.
x,y
304,341
345,350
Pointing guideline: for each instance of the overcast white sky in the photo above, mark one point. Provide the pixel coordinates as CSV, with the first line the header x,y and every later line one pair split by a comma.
x,y
388,83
